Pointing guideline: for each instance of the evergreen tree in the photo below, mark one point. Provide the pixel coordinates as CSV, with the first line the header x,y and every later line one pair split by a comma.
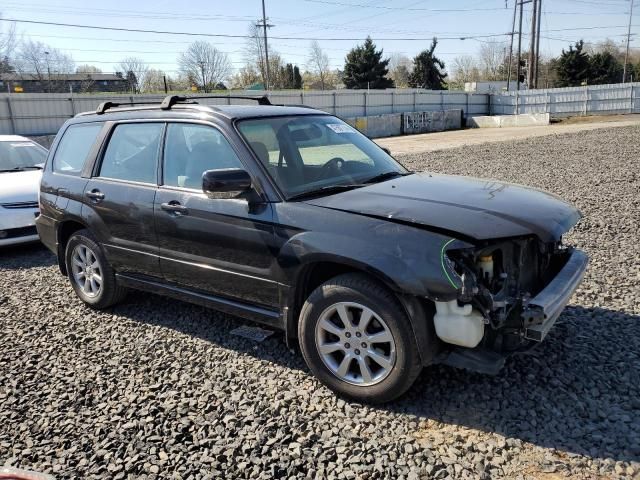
x,y
297,78
635,71
572,66
5,66
364,67
604,68
428,70
283,78
291,81
132,82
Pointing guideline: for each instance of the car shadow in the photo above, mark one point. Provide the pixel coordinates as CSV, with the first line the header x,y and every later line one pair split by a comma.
x,y
577,392
553,396
209,325
28,255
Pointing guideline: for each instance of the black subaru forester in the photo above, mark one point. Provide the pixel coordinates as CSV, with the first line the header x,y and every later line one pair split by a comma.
x,y
290,217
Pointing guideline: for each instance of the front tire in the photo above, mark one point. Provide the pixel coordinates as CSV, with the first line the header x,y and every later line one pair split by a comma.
x,y
91,276
357,339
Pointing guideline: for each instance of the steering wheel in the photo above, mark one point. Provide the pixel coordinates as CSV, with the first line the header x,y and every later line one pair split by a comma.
x,y
331,168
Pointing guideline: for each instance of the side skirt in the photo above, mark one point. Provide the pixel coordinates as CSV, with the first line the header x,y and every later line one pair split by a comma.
x,y
271,318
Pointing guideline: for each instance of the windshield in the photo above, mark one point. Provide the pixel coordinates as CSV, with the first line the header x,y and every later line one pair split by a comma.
x,y
316,153
21,155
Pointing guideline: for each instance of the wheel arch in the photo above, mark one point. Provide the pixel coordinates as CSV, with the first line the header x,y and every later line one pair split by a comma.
x,y
64,232
419,311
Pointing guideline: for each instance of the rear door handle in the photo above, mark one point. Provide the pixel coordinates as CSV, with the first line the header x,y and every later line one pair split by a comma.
x,y
95,195
175,208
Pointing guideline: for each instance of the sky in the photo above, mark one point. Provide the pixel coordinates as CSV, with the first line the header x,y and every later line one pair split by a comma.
x,y
397,26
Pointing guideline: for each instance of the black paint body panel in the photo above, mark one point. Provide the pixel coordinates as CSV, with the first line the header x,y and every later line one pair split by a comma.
x,y
251,252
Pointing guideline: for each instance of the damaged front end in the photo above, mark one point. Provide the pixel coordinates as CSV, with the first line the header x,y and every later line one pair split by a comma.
x,y
510,294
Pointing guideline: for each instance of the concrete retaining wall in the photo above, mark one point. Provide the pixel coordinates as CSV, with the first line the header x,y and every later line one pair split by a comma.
x,y
407,123
423,122
498,121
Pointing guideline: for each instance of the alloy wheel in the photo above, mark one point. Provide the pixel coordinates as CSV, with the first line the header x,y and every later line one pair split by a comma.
x,y
86,270
355,344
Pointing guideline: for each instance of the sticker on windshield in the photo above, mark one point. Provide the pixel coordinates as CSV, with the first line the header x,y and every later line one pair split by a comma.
x,y
340,128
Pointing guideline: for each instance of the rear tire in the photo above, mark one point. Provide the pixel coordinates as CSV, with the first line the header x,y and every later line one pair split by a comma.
x,y
91,276
371,357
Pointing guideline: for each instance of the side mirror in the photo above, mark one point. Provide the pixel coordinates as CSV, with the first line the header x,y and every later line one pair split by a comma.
x,y
386,150
229,181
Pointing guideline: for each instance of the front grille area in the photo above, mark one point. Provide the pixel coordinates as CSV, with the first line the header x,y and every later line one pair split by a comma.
x,y
19,205
19,232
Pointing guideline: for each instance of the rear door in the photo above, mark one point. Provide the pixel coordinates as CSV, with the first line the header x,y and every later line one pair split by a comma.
x,y
119,197
222,246
65,177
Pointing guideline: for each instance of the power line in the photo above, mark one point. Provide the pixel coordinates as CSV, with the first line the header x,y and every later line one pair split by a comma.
x,y
413,9
225,35
354,39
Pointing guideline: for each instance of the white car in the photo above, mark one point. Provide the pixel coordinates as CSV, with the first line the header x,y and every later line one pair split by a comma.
x,y
21,162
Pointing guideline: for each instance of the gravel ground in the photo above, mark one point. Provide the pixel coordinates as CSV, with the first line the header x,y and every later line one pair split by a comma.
x,y
158,388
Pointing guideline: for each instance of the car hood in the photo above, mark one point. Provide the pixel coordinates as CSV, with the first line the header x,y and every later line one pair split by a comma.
x,y
20,186
470,207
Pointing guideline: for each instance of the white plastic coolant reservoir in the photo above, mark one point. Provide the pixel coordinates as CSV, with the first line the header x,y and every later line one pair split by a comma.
x,y
485,264
458,325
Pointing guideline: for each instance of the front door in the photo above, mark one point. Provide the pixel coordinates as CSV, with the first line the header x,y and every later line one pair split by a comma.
x,y
119,198
220,246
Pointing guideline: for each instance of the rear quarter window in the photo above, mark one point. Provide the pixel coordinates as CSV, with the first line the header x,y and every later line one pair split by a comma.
x,y
74,147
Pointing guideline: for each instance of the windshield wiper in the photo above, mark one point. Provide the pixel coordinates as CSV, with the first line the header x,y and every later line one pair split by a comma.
x,y
21,169
327,190
386,176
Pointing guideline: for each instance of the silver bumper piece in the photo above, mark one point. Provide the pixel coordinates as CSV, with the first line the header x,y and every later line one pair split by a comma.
x,y
549,303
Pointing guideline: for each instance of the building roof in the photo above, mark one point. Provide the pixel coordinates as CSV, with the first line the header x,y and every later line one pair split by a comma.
x,y
98,77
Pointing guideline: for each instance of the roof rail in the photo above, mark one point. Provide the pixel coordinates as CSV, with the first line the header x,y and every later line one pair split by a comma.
x,y
171,100
104,106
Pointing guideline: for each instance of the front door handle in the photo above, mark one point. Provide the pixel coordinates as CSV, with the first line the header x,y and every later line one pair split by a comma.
x,y
174,207
95,195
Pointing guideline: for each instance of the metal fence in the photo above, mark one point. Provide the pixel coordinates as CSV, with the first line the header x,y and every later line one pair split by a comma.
x,y
561,102
43,114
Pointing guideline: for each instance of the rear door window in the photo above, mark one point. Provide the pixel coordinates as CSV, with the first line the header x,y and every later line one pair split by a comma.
x,y
74,148
132,153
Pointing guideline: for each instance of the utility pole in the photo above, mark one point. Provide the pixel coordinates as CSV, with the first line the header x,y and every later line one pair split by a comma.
x,y
626,55
204,78
513,32
519,47
49,72
538,43
264,26
532,47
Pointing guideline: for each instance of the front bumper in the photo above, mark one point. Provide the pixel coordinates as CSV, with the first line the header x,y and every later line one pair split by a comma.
x,y
17,225
544,309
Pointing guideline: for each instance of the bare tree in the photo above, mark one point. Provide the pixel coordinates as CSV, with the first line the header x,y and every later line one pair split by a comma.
x,y
48,65
465,69
8,44
88,69
318,63
492,57
312,81
205,65
254,55
246,77
153,81
134,70
399,69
